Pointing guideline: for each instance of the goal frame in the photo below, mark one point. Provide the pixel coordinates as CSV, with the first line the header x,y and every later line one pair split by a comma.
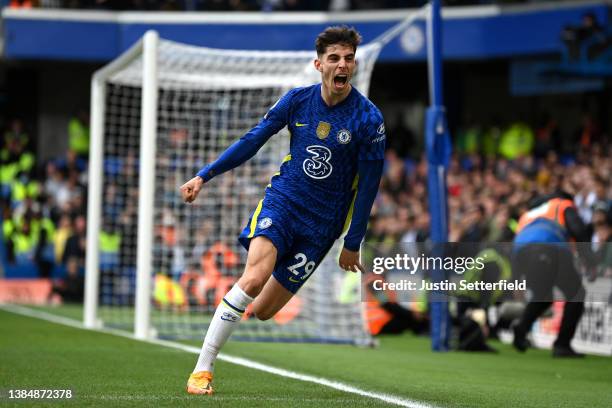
x,y
146,53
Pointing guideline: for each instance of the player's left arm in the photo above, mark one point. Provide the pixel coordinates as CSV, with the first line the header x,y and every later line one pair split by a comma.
x,y
370,172
370,169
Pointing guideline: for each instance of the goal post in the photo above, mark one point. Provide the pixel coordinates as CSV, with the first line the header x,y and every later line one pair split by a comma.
x,y
146,178
95,172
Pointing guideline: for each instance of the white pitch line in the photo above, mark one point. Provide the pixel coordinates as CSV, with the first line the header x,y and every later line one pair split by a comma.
x,y
391,399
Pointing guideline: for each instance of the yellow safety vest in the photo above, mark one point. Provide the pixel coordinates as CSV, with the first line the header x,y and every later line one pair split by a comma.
x,y
8,227
21,191
78,136
24,243
109,242
26,161
8,172
517,141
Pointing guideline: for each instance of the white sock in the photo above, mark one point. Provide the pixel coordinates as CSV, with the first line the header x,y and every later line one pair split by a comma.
x,y
226,318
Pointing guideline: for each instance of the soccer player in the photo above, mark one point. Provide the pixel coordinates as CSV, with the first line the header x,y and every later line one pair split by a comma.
x,y
330,177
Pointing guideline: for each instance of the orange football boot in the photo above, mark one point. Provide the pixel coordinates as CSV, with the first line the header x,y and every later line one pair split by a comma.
x,y
200,383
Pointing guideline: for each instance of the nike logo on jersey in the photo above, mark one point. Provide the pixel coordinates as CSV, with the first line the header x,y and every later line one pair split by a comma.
x,y
298,124
294,280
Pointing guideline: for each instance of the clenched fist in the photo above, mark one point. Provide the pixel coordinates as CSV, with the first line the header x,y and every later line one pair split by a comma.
x,y
191,189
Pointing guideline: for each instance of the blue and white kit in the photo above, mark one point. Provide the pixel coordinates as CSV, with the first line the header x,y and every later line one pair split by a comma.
x,y
329,178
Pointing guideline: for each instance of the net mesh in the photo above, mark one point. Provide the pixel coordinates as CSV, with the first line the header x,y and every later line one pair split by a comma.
x,y
207,99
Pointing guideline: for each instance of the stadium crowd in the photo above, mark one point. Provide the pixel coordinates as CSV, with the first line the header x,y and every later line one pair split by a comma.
x,y
43,204
492,175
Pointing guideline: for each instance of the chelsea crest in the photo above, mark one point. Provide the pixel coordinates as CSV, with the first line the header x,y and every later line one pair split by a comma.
x,y
264,223
343,136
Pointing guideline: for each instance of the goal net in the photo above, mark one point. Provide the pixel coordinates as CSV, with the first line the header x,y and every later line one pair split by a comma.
x,y
157,263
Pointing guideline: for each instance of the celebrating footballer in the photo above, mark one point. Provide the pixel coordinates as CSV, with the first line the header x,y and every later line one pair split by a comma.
x,y
329,178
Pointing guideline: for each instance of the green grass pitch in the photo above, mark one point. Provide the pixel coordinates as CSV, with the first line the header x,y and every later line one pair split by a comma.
x,y
106,370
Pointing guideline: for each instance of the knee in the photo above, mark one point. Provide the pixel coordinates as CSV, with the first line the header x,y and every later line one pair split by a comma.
x,y
261,313
252,284
256,274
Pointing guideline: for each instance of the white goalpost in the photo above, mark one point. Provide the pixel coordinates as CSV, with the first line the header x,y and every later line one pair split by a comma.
x,y
158,267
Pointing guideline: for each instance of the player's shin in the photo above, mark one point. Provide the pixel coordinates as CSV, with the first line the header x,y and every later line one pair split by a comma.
x,y
226,318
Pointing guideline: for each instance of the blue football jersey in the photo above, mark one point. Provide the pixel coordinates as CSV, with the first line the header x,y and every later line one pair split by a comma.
x,y
317,182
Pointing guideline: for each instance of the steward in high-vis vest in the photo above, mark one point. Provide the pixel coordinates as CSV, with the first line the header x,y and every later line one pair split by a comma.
x,y
13,161
22,241
544,254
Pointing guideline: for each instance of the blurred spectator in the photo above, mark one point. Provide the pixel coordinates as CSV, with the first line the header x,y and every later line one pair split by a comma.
x,y
490,140
516,141
547,136
44,256
468,139
72,163
76,243
395,179
601,218
69,194
588,133
27,4
22,188
63,233
16,132
601,195
78,134
71,288
54,179
584,198
602,239
589,34
473,225
15,160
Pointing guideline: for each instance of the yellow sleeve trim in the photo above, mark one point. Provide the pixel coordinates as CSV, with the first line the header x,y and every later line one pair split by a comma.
x,y
349,216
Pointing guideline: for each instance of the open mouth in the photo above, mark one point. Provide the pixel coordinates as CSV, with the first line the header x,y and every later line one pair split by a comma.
x,y
340,80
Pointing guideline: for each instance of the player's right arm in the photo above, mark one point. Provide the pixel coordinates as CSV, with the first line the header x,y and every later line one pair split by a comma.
x,y
191,189
243,149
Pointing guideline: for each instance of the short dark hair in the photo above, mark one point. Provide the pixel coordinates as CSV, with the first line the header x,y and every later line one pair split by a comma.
x,y
337,35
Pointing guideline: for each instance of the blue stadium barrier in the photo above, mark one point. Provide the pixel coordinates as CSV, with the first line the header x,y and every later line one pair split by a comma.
x,y
476,32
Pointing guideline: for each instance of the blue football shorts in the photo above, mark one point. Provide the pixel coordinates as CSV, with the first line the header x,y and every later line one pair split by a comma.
x,y
299,250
